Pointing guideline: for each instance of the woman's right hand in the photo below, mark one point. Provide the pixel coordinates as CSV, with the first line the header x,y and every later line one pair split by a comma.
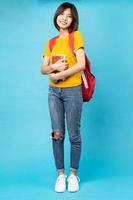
x,y
60,65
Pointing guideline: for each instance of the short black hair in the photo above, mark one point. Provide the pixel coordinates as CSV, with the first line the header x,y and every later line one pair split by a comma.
x,y
75,17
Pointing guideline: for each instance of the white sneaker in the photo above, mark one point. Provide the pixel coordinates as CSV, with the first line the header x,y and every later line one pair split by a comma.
x,y
73,183
60,185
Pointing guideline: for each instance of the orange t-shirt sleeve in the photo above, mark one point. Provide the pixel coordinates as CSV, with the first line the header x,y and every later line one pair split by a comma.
x,y
46,51
78,40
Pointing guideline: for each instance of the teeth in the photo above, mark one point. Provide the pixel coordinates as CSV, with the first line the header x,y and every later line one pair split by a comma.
x,y
63,23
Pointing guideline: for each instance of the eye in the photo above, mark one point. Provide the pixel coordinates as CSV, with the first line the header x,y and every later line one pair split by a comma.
x,y
70,16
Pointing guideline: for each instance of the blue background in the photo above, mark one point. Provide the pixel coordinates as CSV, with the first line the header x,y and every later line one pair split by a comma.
x,y
27,168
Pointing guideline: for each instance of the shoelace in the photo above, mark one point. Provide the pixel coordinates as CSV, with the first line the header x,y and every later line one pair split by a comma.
x,y
60,177
71,177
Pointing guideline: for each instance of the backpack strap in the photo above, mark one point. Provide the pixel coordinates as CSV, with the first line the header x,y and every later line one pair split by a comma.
x,y
71,42
52,42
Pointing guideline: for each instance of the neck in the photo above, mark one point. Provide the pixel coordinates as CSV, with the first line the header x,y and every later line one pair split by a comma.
x,y
63,32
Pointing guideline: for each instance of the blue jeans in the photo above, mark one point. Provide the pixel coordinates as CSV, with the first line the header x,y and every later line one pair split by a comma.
x,y
66,103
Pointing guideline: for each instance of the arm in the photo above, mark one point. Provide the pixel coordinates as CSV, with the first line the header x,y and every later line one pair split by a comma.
x,y
79,66
46,68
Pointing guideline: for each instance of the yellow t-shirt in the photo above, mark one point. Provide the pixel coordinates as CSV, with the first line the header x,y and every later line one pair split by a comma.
x,y
62,47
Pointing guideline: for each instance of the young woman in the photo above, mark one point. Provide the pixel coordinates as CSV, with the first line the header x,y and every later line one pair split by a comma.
x,y
65,93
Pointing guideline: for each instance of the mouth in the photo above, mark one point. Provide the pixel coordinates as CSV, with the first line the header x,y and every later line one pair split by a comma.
x,y
63,23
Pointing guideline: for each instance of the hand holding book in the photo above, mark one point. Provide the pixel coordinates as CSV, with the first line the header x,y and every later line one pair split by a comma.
x,y
59,63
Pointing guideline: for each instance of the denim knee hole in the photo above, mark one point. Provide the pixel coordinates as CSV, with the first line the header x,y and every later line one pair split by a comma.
x,y
59,136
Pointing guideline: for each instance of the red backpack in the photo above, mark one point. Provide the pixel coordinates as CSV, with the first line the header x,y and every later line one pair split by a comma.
x,y
88,79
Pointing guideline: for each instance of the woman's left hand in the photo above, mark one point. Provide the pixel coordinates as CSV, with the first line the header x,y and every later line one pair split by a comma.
x,y
53,77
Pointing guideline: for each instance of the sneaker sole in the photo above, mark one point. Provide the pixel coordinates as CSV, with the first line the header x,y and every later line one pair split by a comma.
x,y
60,191
73,190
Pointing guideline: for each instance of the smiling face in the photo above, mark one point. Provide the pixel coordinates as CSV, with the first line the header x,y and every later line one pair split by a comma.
x,y
64,20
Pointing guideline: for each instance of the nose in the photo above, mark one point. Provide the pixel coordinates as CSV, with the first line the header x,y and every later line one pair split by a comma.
x,y
64,17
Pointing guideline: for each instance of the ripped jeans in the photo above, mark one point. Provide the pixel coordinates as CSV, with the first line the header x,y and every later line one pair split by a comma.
x,y
66,103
